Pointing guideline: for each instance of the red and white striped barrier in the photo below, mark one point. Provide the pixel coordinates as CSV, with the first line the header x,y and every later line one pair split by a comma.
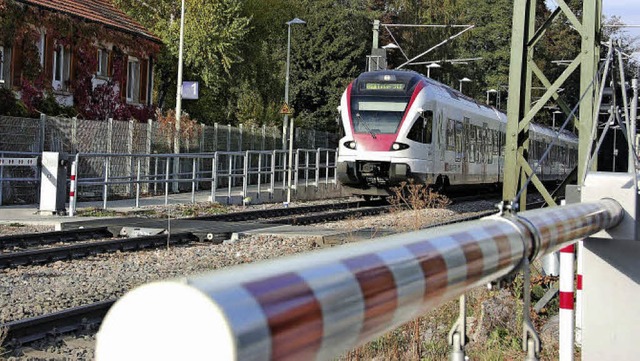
x,y
566,303
73,187
579,252
318,305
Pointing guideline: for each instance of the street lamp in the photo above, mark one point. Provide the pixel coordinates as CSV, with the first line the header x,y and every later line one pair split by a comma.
x,y
492,91
286,84
432,65
390,46
463,80
176,139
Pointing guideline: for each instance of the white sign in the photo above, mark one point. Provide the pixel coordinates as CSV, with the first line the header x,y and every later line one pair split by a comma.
x,y
190,89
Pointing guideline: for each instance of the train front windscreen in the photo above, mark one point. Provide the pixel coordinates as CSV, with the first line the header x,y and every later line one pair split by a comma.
x,y
379,101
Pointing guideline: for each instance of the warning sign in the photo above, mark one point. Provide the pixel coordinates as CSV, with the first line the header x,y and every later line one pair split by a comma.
x,y
285,109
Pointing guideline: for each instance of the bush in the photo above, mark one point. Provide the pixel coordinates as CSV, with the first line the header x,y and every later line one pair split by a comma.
x,y
9,105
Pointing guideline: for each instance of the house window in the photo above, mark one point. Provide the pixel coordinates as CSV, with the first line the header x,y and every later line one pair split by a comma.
x,y
103,61
61,66
133,80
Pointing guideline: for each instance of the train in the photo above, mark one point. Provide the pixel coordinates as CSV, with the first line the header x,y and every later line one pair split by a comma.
x,y
399,125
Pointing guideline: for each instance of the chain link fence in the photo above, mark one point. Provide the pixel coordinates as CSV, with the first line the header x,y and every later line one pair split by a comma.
x,y
71,135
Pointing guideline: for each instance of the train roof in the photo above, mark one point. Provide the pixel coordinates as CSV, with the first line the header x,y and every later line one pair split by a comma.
x,y
411,78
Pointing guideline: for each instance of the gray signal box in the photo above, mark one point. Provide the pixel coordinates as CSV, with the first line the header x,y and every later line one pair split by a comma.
x,y
53,183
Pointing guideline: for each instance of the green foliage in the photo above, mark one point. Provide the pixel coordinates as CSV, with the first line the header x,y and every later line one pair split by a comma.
x,y
238,51
10,106
327,53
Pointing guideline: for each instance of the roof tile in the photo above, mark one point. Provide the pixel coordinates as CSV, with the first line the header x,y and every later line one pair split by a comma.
x,y
100,11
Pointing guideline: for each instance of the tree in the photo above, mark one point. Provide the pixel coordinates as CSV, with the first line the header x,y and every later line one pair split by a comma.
x,y
214,33
327,54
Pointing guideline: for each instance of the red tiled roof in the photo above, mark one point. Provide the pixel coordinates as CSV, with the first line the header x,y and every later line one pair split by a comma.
x,y
100,11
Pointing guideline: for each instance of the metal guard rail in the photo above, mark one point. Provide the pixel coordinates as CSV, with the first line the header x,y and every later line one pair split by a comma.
x,y
322,304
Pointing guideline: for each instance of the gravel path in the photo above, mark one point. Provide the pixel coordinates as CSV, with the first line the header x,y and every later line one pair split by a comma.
x,y
34,290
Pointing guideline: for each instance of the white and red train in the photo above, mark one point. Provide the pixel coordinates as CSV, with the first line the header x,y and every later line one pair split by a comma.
x,y
401,125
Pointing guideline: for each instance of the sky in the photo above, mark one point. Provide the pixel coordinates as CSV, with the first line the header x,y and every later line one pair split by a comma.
x,y
627,10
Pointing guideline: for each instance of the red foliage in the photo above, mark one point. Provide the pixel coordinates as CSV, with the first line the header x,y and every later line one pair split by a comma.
x,y
100,102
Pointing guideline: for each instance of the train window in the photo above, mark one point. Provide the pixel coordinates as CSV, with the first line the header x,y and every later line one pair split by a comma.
x,y
496,139
479,158
451,137
459,129
421,129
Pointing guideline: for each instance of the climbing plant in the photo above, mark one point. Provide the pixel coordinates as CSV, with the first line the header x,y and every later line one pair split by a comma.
x,y
18,30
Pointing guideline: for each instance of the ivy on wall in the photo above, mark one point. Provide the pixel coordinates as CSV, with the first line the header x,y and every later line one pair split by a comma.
x,y
20,27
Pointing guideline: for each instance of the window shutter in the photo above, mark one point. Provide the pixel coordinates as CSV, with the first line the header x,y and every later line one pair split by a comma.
x,y
144,66
48,57
16,65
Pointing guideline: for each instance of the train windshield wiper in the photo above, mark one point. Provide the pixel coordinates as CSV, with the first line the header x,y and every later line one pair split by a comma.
x,y
366,125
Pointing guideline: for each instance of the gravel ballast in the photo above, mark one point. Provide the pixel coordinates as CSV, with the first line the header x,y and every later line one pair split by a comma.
x,y
35,290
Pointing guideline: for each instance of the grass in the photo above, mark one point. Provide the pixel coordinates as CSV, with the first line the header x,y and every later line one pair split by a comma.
x,y
416,197
426,338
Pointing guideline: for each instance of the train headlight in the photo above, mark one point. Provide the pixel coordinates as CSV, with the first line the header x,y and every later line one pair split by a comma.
x,y
350,144
399,146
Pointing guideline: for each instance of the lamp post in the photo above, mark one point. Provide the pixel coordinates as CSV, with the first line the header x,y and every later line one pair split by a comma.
x,y
491,91
432,65
463,80
554,118
286,84
176,141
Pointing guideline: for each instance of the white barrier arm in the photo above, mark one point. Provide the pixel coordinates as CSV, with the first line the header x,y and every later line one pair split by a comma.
x,y
318,305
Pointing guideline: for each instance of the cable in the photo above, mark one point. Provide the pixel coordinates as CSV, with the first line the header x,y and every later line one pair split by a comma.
x,y
553,141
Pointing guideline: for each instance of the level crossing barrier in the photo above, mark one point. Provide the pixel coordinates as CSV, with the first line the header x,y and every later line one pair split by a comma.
x,y
134,174
319,305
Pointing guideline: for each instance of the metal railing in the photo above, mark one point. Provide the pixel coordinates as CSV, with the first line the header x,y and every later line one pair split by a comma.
x,y
239,173
317,306
17,173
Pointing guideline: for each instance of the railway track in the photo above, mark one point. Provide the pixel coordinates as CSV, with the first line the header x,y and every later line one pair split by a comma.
x,y
76,319
79,248
88,317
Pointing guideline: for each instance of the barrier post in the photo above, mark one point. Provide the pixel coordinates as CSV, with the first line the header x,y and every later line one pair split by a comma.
x,y
566,303
578,328
73,186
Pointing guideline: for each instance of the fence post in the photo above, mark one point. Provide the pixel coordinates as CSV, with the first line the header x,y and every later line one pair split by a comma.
x,y
43,127
215,137
109,135
264,137
318,156
228,137
240,145
130,152
74,132
1,181
147,164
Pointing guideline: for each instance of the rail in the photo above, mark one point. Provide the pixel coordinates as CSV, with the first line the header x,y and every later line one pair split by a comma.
x,y
319,305
233,173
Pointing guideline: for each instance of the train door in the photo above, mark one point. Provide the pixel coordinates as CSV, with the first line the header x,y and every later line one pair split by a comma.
x,y
421,133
